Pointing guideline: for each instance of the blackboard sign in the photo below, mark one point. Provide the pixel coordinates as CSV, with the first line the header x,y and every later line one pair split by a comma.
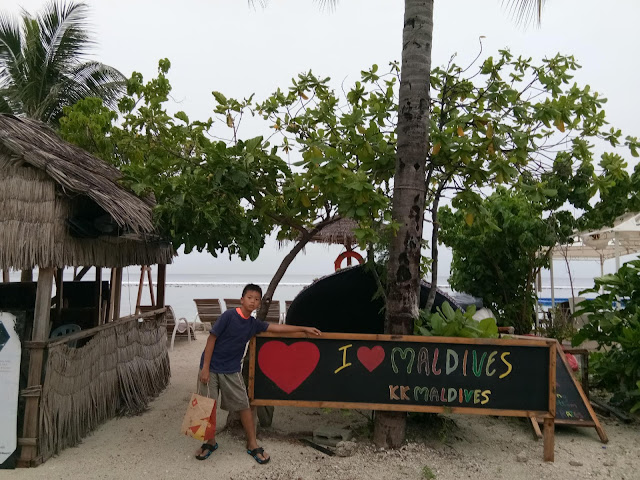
x,y
569,402
411,373
572,405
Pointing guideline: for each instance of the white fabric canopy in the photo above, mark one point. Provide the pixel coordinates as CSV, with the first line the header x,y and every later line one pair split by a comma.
x,y
623,238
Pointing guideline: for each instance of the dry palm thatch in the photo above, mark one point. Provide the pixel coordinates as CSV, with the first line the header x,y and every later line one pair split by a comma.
x,y
340,232
74,169
43,182
118,372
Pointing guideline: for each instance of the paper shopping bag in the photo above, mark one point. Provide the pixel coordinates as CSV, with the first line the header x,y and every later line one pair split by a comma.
x,y
200,420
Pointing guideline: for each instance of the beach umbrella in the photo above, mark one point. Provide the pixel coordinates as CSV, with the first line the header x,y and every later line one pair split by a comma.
x,y
341,233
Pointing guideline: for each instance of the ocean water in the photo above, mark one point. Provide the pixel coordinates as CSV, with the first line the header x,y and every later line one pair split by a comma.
x,y
182,288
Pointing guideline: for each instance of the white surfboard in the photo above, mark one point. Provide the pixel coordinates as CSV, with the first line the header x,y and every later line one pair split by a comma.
x,y
10,381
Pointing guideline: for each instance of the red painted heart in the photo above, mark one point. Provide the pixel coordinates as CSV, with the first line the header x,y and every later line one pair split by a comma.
x,y
288,365
371,357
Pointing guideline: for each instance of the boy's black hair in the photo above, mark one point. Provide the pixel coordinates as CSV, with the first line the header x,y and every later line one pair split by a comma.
x,y
251,287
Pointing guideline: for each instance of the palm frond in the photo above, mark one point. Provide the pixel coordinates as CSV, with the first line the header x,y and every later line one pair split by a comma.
x,y
43,65
10,101
525,12
327,4
91,79
65,34
10,41
100,81
32,65
5,105
10,52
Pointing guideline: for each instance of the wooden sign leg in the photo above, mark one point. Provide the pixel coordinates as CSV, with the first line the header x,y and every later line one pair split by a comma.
x,y
549,439
599,429
537,434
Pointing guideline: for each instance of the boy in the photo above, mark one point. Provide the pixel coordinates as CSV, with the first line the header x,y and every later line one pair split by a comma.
x,y
220,365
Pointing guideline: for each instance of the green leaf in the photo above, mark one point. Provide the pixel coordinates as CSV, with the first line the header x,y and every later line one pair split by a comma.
x,y
220,98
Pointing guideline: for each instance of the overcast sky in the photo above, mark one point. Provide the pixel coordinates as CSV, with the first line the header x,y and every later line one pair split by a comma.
x,y
238,50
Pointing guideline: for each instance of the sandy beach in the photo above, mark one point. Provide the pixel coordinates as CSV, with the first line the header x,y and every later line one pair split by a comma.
x,y
150,446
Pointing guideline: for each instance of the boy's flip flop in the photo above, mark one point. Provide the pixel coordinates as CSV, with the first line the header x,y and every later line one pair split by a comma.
x,y
254,453
208,449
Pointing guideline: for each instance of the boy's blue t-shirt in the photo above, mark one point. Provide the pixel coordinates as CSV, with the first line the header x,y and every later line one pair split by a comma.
x,y
232,333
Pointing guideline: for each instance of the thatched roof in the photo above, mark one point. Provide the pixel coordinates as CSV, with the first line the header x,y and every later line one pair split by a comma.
x,y
74,169
340,232
51,190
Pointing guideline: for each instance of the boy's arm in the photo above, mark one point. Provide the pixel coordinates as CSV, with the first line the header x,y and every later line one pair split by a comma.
x,y
208,352
281,328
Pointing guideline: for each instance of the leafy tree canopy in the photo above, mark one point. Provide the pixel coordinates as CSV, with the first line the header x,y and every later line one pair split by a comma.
x,y
201,185
214,194
512,120
499,264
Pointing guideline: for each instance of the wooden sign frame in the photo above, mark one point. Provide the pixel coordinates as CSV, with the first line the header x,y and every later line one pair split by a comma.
x,y
547,417
594,422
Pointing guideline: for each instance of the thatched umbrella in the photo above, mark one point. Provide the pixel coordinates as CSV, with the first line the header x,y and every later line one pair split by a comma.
x,y
340,233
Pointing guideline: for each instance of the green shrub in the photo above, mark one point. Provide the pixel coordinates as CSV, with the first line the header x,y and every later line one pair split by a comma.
x,y
447,322
614,322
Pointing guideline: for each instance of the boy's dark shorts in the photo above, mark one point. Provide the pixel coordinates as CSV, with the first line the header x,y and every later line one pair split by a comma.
x,y
232,390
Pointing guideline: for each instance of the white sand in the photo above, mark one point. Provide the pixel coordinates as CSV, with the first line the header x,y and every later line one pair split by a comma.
x,y
150,447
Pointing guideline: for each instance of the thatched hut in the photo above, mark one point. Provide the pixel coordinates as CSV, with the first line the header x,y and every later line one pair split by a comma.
x,y
62,207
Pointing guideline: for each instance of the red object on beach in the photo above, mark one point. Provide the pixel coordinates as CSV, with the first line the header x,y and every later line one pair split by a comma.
x,y
348,254
573,363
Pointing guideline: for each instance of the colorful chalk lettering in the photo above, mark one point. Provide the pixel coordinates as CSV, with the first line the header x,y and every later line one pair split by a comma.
x,y
344,358
403,354
503,357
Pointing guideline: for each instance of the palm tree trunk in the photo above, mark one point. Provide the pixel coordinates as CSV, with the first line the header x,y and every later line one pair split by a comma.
x,y
434,253
408,192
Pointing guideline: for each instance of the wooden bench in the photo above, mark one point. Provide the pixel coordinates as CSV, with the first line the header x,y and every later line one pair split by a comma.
x,y
209,309
273,315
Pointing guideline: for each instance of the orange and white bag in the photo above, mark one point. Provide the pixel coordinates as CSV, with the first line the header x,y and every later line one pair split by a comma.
x,y
200,420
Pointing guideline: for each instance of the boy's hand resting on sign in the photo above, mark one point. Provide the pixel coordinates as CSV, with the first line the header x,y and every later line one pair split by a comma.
x,y
312,331
283,328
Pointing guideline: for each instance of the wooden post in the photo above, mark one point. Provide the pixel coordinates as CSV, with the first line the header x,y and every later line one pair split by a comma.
x,y
43,305
59,288
112,297
140,287
99,295
5,275
118,294
40,334
549,439
548,433
153,299
77,276
162,280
